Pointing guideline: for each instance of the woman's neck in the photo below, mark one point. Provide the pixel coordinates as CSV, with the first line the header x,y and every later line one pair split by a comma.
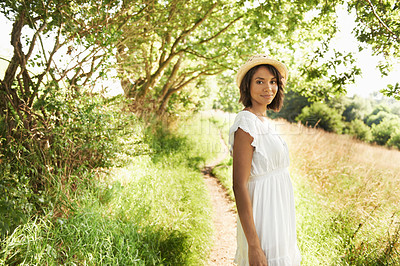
x,y
260,111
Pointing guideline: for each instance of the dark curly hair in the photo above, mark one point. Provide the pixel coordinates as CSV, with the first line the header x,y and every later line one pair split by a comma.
x,y
245,97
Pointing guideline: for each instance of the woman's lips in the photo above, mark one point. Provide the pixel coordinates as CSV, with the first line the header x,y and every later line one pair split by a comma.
x,y
267,96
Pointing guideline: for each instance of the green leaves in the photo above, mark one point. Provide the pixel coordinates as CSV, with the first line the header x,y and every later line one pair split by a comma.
x,y
392,91
378,25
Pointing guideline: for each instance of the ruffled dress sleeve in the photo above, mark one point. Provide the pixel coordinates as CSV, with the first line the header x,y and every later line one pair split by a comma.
x,y
247,124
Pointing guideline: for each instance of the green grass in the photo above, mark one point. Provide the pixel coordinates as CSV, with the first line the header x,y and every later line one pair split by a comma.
x,y
317,242
151,208
223,170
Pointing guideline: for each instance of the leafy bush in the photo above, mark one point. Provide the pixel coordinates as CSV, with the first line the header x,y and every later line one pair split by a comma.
x,y
394,140
16,199
356,108
320,115
45,169
360,130
382,132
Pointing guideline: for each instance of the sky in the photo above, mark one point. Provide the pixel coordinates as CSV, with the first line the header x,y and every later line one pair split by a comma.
x,y
370,81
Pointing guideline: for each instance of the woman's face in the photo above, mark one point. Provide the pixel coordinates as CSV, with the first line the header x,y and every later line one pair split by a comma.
x,y
263,87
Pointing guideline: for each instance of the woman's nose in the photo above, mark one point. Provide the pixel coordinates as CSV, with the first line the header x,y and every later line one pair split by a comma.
x,y
267,87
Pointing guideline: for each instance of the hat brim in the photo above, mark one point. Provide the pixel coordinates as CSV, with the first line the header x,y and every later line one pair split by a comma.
x,y
261,61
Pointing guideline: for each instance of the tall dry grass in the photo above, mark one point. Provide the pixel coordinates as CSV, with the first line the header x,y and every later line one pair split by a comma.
x,y
358,183
340,164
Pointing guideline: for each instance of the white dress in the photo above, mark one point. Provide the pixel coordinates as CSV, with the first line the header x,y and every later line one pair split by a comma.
x,y
271,194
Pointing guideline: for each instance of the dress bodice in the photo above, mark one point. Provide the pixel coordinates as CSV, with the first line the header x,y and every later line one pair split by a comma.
x,y
270,150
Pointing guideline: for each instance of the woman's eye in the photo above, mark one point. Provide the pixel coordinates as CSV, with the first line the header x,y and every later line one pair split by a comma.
x,y
259,82
273,82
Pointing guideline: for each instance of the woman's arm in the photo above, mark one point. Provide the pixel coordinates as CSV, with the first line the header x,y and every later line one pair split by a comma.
x,y
242,157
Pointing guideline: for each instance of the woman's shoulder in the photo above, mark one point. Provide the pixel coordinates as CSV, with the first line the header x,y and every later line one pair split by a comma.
x,y
246,120
244,114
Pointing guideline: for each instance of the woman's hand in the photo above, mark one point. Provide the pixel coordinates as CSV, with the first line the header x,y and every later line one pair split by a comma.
x,y
257,257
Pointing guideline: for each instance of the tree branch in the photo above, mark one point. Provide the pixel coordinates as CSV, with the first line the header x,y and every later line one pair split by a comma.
x,y
184,83
221,31
193,52
48,62
33,41
78,66
173,53
172,77
381,21
93,68
197,24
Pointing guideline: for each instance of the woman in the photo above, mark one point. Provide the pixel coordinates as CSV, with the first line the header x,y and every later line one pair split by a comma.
x,y
266,231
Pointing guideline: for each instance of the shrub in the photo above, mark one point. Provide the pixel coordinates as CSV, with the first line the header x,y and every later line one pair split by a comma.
x,y
394,140
46,168
382,132
360,130
320,115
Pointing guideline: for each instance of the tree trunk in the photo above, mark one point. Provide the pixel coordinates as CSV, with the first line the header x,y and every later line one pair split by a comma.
x,y
165,101
8,96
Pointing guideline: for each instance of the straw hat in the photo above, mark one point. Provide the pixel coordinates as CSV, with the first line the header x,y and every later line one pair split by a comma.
x,y
261,59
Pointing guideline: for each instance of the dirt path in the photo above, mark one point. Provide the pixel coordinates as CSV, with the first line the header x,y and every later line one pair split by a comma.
x,y
224,216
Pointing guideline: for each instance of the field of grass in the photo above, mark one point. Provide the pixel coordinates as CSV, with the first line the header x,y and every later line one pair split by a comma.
x,y
352,187
151,208
347,197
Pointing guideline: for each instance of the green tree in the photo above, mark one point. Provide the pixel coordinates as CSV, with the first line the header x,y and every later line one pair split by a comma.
x,y
378,114
227,94
376,27
322,116
175,49
68,46
356,108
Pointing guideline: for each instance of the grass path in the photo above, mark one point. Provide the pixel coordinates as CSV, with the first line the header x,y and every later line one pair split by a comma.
x,y
224,214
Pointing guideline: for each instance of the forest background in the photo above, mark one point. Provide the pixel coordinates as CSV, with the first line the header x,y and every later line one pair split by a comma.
x,y
171,59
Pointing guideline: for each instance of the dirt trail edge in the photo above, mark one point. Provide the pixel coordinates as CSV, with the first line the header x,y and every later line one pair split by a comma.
x,y
224,215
